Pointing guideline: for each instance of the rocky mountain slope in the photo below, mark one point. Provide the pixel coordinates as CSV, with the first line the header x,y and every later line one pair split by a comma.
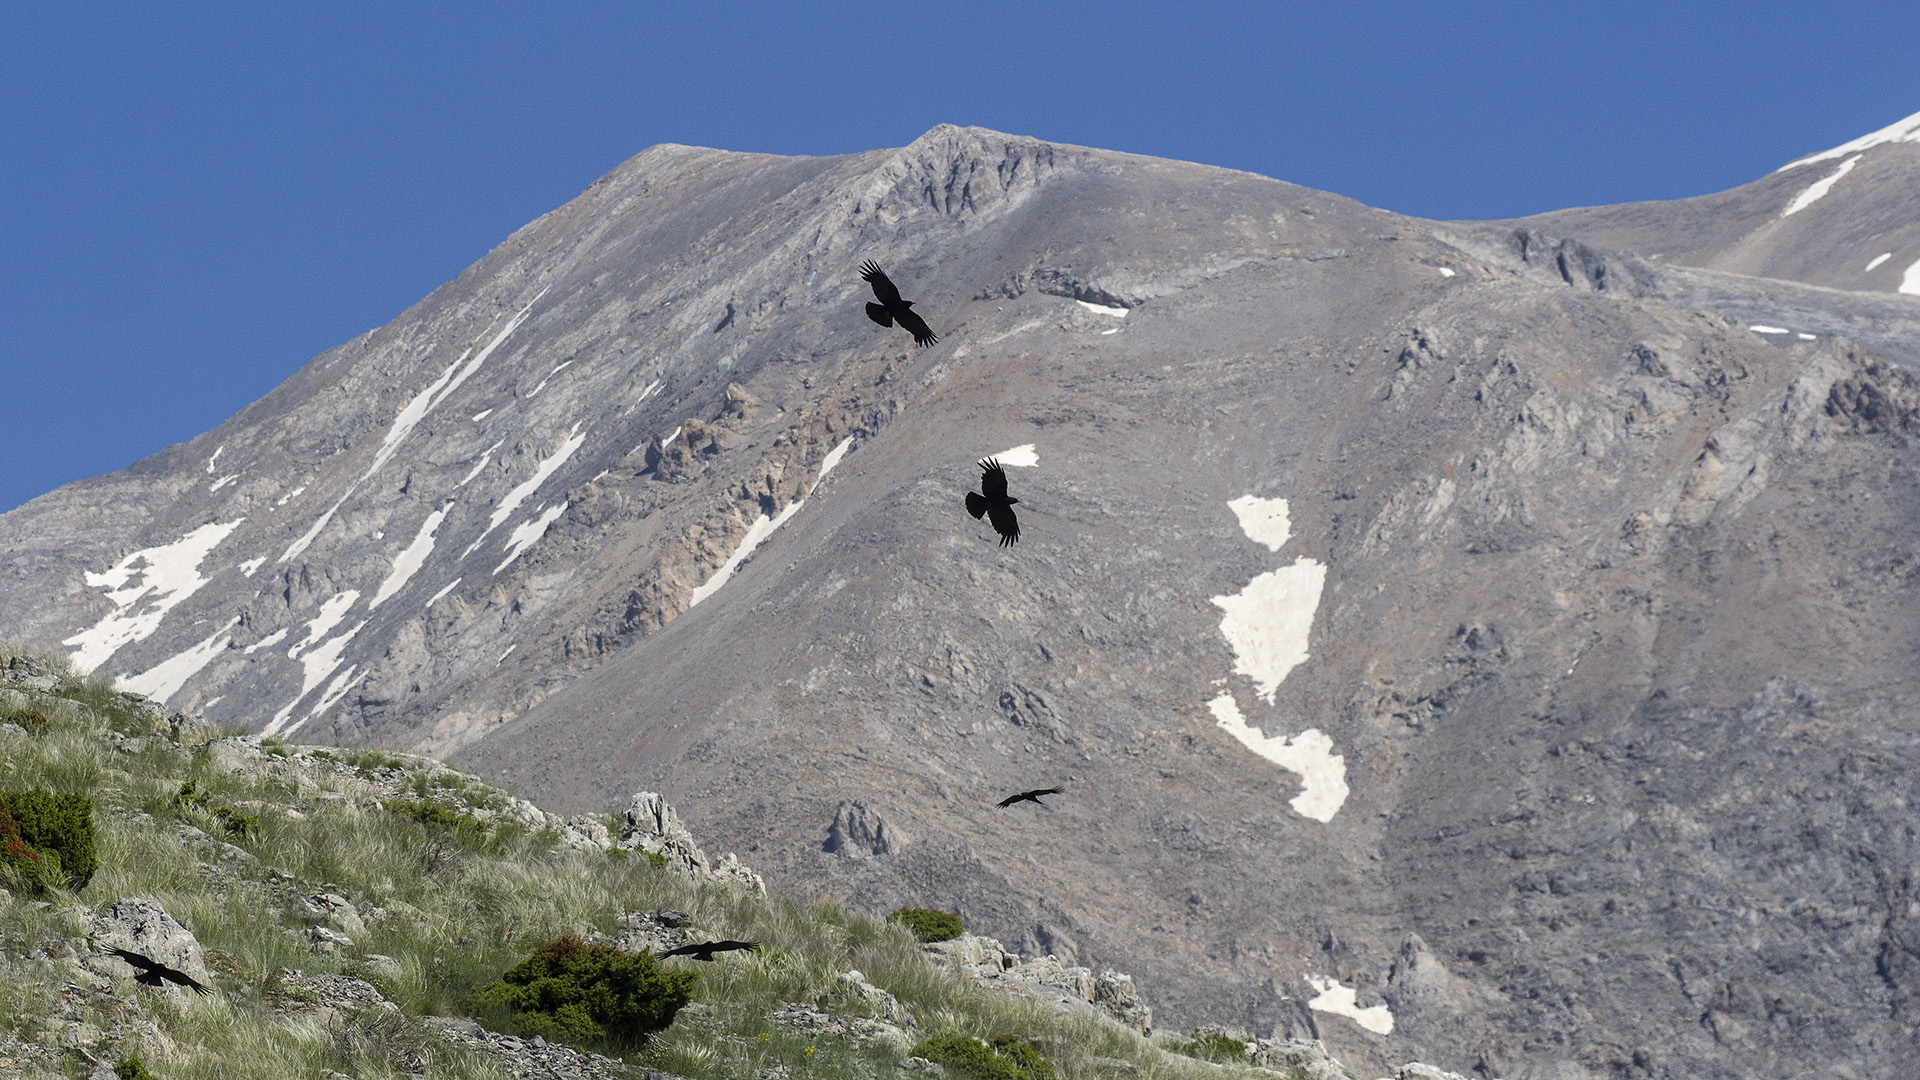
x,y
1846,218
1458,642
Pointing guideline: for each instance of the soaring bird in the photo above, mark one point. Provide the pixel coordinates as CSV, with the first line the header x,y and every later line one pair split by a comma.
x,y
993,502
892,309
704,950
154,973
1030,796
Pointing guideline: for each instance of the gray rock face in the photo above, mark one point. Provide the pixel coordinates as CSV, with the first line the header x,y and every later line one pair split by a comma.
x,y
1464,643
140,925
858,830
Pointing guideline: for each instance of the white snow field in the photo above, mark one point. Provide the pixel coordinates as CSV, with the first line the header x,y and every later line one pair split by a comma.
x,y
1876,261
1323,773
528,533
1102,309
318,658
1907,130
764,527
481,464
165,679
1268,621
1023,456
1339,1000
1769,329
411,558
547,467
1263,520
1819,188
1910,279
143,587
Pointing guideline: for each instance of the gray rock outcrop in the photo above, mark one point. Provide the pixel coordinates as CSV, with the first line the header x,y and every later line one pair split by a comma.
x,y
859,830
652,826
140,925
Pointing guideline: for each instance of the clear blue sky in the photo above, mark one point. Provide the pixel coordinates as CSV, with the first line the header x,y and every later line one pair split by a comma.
x,y
196,198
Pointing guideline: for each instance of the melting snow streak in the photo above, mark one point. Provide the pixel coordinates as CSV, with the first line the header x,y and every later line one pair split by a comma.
x,y
166,576
1340,1001
1323,773
1819,188
763,527
411,559
1268,621
165,679
515,497
1910,281
528,533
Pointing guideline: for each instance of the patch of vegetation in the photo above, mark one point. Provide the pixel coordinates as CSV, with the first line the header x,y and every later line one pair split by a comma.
x,y
929,925
594,994
33,720
1007,1057
1215,1046
59,829
236,822
132,1069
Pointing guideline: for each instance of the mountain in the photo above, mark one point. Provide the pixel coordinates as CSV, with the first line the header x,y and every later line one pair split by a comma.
x,y
1845,218
1463,642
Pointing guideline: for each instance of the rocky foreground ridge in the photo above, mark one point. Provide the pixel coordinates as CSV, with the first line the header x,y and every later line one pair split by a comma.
x,y
80,1011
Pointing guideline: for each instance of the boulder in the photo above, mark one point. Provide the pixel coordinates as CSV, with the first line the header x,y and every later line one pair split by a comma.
x,y
858,831
140,925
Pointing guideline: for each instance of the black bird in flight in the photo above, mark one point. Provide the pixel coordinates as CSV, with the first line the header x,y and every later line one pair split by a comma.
x,y
155,973
1030,796
704,950
892,309
993,502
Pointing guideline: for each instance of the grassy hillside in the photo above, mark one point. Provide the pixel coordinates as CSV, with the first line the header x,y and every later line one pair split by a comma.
x,y
452,884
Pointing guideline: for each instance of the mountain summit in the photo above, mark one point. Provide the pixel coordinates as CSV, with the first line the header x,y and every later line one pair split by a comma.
x,y
1470,642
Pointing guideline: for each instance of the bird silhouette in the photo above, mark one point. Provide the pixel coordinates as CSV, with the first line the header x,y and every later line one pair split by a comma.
x,y
154,973
704,950
891,309
993,502
1029,796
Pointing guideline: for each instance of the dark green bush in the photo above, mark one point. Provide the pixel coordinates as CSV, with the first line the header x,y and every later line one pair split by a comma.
x,y
1214,1046
17,859
580,993
132,1069
929,925
237,822
33,720
58,829
1008,1057
189,795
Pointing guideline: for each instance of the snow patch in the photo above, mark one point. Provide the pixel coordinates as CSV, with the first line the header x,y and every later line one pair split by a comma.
x,y
1263,520
1907,130
143,587
482,415
164,679
514,498
267,642
307,538
1023,456
1769,329
411,558
1267,622
444,591
761,528
1877,260
528,533
1806,337
827,463
1104,333
409,418
295,493
1340,1001
484,458
1910,280
319,661
214,458
549,378
1819,188
1446,271
223,482
247,568
335,690
1102,309
1309,755
668,441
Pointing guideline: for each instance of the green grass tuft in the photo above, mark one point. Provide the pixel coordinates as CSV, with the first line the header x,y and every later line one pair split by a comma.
x,y
929,925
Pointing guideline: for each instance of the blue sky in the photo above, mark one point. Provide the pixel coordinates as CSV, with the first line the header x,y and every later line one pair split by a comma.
x,y
195,199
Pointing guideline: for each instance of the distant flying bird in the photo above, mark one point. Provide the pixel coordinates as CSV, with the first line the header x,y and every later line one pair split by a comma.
x,y
704,950
892,309
1030,796
994,502
155,973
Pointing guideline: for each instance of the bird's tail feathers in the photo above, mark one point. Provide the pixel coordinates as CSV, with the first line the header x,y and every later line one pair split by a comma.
x,y
879,314
976,504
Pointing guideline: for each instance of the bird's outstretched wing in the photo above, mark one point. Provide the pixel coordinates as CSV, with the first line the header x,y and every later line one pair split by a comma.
x,y
975,504
917,326
155,973
993,481
878,313
1001,517
1029,796
704,950
883,288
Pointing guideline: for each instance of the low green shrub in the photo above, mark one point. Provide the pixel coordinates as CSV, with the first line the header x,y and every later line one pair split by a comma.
x,y
189,795
58,828
579,993
132,1069
238,823
33,720
929,925
1214,1046
1007,1057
